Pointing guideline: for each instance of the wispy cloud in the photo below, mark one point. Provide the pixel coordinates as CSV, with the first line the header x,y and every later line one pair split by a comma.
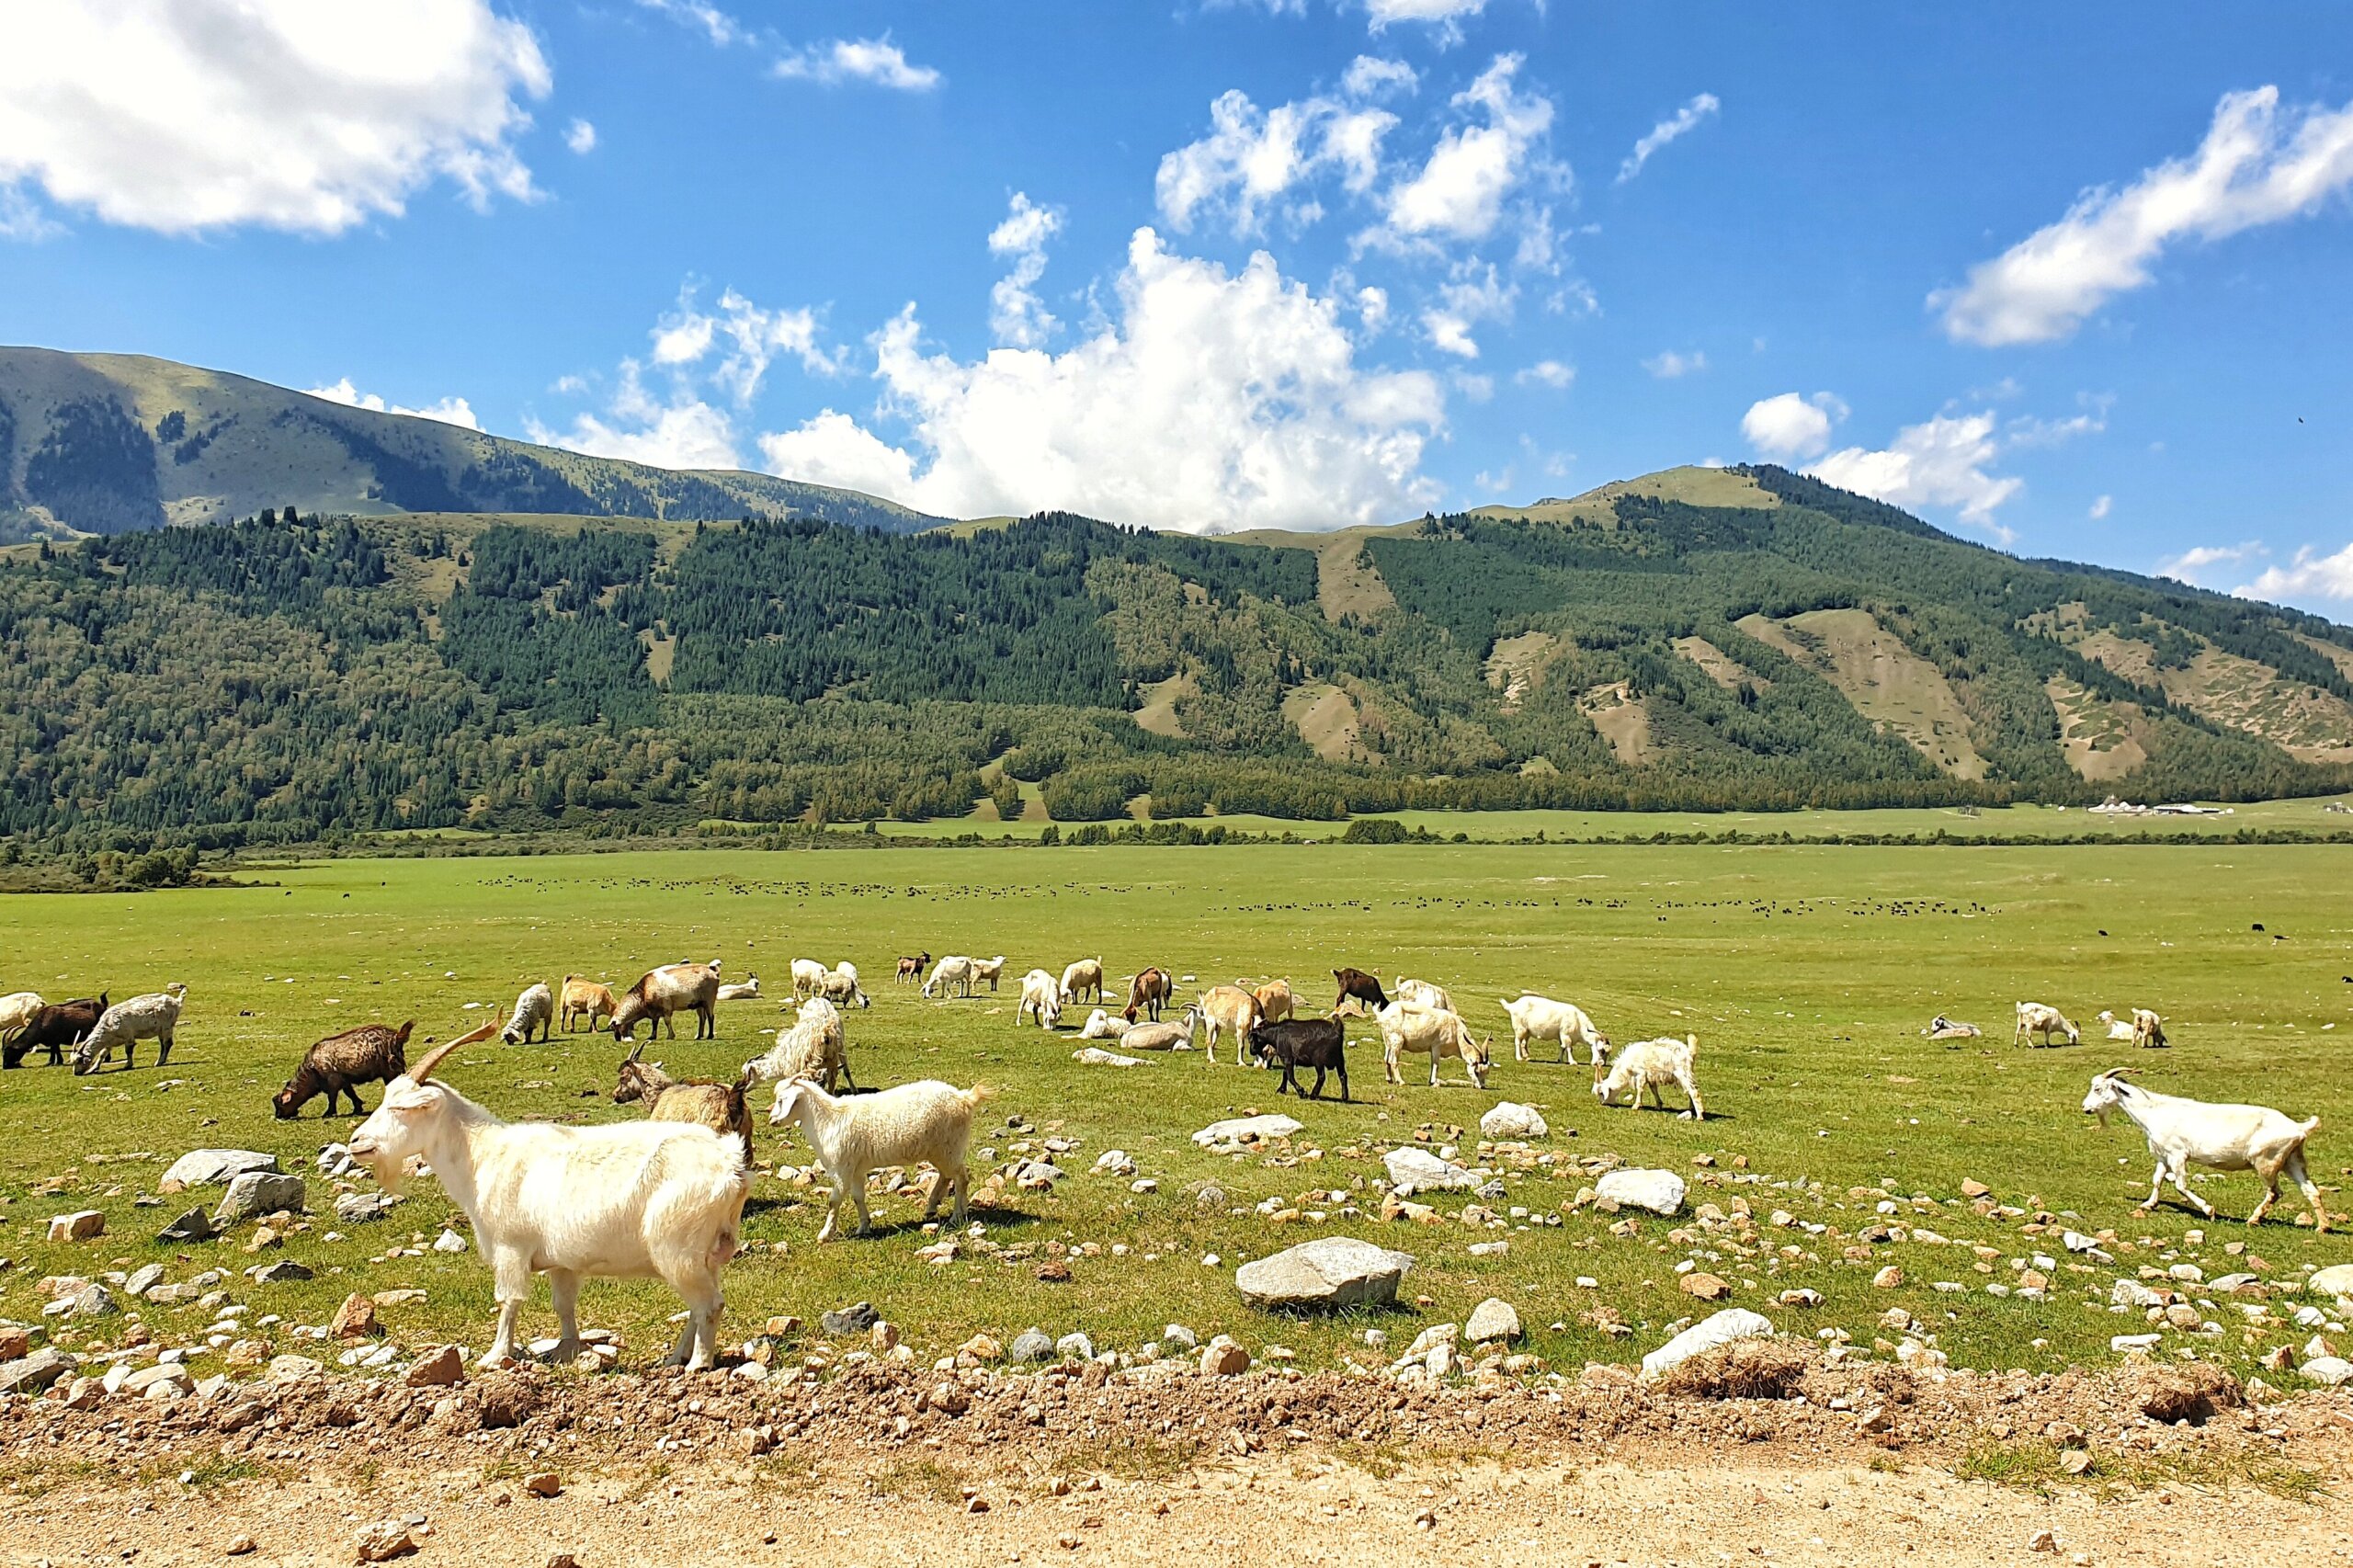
x,y
2193,566
1679,124
874,60
1670,365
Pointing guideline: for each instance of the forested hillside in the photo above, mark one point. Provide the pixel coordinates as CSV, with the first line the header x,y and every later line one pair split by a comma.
x,y
112,443
295,678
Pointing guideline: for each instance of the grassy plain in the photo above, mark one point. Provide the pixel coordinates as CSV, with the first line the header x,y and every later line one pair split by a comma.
x,y
1806,973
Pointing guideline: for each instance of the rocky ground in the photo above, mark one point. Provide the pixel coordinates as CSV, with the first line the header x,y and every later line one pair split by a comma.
x,y
1754,1451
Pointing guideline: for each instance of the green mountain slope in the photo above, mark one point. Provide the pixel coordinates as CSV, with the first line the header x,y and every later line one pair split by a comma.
x,y
1785,644
112,443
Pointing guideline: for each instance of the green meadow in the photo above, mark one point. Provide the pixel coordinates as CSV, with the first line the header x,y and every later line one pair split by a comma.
x,y
1807,973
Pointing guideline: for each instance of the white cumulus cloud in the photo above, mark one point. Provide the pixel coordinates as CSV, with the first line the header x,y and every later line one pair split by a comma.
x,y
1547,373
1459,192
1251,156
1015,313
1792,424
2310,576
1207,401
449,410
2099,508
183,116
581,137
1473,293
876,60
1940,463
2257,165
754,337
2194,565
681,430
1445,17
1369,76
1681,123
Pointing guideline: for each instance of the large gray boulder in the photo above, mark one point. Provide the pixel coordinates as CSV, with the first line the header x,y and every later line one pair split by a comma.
x,y
1508,1118
1413,1170
257,1193
214,1167
1325,1275
1709,1334
1661,1192
30,1374
1225,1136
2331,1372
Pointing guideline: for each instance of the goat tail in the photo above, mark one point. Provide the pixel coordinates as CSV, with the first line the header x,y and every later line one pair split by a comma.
x,y
2309,1124
977,1095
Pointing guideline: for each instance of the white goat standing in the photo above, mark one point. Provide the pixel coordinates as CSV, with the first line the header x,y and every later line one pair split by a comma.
x,y
622,1201
1651,1064
1042,995
1535,1017
534,1010
2183,1132
927,1122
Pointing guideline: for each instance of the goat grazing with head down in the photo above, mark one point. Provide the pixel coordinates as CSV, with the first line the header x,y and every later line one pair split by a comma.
x,y
2184,1132
372,1053
706,1102
661,993
624,1201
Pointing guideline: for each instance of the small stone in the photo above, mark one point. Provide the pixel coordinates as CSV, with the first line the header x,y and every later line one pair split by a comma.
x,y
1508,1118
2043,1541
78,1226
383,1541
240,1545
2331,1372
282,1272
1075,1348
1731,1324
1221,1357
1226,1137
293,1368
2074,1461
980,1348
438,1369
143,1280
30,1374
253,1194
855,1319
356,1319
1888,1279
361,1208
213,1167
95,1300
543,1483
883,1336
1032,1345
194,1225
1178,1334
1974,1188
1328,1274
1706,1287
1492,1320
448,1241
1415,1170
1658,1191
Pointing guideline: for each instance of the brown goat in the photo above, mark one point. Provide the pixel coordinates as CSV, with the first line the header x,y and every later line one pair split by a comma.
x,y
703,1101
56,1026
1355,982
1147,993
586,999
911,968
372,1053
674,988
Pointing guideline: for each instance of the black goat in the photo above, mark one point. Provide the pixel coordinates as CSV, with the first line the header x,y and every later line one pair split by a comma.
x,y
1296,1043
57,1026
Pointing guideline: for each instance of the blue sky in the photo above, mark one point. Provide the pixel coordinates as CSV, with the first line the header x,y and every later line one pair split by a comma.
x,y
2069,280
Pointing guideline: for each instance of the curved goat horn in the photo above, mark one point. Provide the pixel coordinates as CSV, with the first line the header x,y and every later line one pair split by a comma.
x,y
434,1058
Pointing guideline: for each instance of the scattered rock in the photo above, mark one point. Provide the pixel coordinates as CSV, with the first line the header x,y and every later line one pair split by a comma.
x,y
30,1374
361,1208
1228,1137
78,1226
293,1368
95,1300
2132,1293
543,1483
2334,1280
2192,1391
1075,1348
1709,1334
1327,1274
1178,1334
1660,1192
2043,1541
2329,1371
383,1541
283,1271
196,1225
448,1241
143,1280
213,1167
857,1319
1508,1118
1115,1163
1032,1345
1974,1188
1703,1285
1492,1320
356,1319
437,1368
240,1545
1221,1357
1415,1170
255,1193
1888,1279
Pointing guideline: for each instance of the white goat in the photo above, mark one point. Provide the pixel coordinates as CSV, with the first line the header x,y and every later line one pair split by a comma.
x,y
2148,1028
2184,1132
534,1009
1407,1027
2036,1018
747,991
928,1122
1535,1017
1651,1064
816,1047
1231,1011
954,970
626,1199
1082,977
1422,994
17,1008
152,1017
2118,1029
989,970
1176,1036
1042,995
840,987
1100,1025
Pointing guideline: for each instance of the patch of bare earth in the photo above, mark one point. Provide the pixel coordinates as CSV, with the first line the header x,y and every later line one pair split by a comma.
x,y
1157,713
1517,664
877,1464
1348,582
1720,666
1622,720
1886,682
2102,740
1327,720
2308,723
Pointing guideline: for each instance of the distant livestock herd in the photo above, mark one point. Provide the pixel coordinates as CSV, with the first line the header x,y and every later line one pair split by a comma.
x,y
665,1196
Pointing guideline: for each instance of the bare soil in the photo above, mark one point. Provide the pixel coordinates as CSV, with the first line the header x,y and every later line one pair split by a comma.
x,y
883,1464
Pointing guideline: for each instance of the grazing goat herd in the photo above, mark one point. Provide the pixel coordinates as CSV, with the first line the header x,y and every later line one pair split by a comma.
x,y
664,1197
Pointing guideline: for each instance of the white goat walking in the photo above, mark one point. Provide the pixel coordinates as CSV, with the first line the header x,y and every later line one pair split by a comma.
x,y
2184,1132
623,1201
1535,1017
927,1122
2040,1018
1651,1064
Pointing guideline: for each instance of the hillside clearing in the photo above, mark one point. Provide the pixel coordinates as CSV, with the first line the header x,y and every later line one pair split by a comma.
x,y
1888,684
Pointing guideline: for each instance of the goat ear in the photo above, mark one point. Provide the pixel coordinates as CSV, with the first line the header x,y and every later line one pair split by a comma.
x,y
634,1053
